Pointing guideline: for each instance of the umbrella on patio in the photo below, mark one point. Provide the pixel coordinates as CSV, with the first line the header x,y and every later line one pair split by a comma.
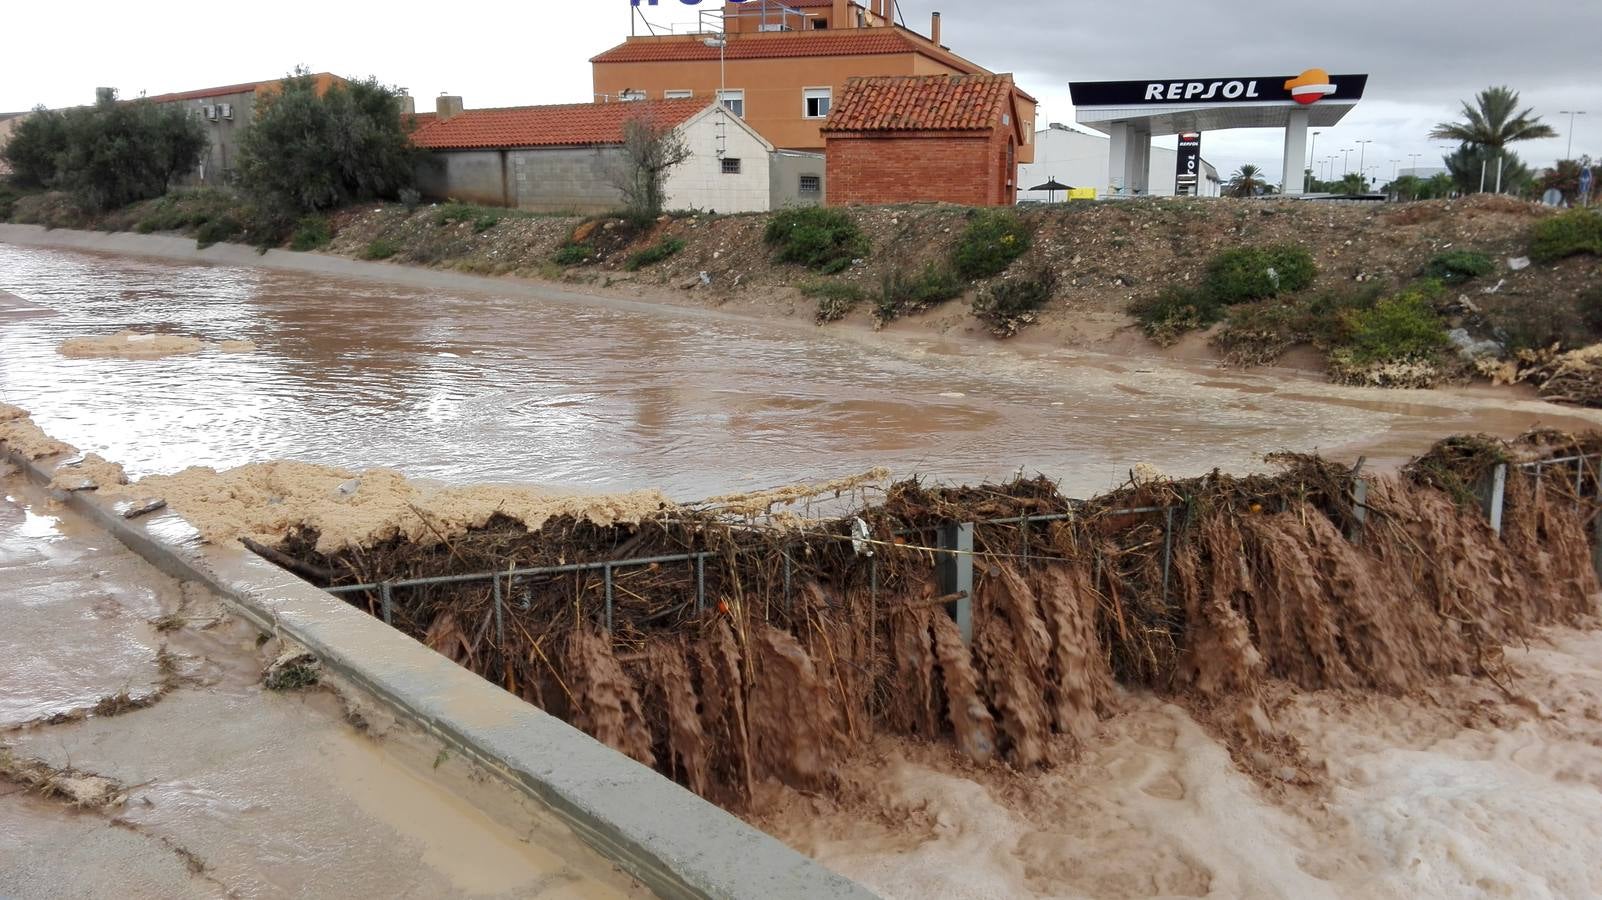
x,y
1052,186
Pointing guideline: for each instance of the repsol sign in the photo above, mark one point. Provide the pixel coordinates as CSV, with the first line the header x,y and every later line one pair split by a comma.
x,y
1202,91
1309,87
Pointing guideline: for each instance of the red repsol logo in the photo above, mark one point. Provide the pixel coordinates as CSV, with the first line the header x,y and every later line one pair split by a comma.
x,y
1202,90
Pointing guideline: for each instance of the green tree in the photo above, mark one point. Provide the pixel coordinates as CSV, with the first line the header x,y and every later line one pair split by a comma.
x,y
1246,182
1565,176
306,152
35,145
116,153
1352,183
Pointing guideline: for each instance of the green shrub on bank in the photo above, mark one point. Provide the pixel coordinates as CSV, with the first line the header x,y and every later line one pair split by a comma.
x,y
826,240
1257,273
1007,306
380,248
993,240
572,254
1400,341
1240,275
218,230
900,293
311,233
1567,234
835,299
654,254
1259,333
1166,316
186,210
1458,266
483,217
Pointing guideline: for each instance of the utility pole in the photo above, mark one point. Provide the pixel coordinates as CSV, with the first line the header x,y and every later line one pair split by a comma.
x,y
1571,113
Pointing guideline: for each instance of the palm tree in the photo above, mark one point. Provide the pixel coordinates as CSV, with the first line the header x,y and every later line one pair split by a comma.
x,y
1246,182
1492,121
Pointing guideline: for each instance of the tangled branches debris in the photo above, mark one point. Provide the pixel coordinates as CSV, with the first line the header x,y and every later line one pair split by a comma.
x,y
747,653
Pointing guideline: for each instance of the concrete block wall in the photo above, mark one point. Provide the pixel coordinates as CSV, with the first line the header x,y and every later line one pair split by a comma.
x,y
472,176
785,178
561,179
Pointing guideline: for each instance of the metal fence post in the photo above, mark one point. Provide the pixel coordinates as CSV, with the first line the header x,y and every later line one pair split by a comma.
x,y
1496,496
607,575
1168,550
956,574
384,596
500,617
1596,524
1359,510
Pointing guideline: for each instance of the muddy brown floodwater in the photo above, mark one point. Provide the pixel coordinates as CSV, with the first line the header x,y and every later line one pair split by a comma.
x,y
517,385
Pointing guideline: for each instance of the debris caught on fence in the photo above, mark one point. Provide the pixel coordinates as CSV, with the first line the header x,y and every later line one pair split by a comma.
x,y
768,653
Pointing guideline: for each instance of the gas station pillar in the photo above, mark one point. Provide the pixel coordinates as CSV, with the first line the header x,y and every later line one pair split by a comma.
x,y
1295,181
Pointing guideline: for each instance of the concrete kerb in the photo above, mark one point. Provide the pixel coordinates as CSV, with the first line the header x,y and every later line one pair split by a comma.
x,y
675,843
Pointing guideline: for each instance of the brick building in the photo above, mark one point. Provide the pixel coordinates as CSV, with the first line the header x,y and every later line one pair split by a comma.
x,y
940,138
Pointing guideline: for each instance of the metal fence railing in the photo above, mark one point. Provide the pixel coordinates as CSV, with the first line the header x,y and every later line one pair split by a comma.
x,y
954,550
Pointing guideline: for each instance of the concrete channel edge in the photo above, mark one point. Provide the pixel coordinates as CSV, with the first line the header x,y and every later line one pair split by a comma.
x,y
672,841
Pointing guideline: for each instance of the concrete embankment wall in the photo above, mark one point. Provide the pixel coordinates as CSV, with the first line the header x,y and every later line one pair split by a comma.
x,y
674,842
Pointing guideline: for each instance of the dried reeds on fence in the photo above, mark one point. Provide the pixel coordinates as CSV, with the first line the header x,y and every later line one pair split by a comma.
x,y
1205,588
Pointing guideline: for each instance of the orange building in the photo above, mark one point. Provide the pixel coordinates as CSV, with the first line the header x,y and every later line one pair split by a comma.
x,y
941,138
782,66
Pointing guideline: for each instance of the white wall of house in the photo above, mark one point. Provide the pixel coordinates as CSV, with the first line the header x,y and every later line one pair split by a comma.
x,y
703,182
1079,158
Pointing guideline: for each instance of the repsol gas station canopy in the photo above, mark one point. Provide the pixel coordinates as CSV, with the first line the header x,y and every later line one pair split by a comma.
x,y
1132,111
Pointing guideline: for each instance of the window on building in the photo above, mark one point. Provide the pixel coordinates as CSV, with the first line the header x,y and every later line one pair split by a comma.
x,y
811,184
630,96
816,102
677,95
733,101
731,166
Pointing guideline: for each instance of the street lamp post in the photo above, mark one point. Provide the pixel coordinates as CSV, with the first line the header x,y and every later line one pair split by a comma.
x,y
1346,161
1396,168
1312,154
1362,152
1571,113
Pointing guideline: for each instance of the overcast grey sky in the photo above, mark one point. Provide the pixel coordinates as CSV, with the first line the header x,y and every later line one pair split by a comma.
x,y
1424,56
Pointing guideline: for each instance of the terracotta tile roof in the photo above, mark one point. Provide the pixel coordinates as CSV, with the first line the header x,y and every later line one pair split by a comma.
x,y
570,125
690,48
922,103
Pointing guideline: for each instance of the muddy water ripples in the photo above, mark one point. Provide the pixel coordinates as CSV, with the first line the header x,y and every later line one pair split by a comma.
x,y
511,386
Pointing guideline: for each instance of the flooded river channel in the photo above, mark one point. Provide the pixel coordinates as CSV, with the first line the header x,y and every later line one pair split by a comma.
x,y
486,382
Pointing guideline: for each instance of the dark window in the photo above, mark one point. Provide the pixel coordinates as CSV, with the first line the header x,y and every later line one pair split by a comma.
x,y
731,166
811,184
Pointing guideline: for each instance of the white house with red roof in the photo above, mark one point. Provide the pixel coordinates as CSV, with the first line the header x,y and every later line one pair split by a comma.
x,y
567,158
